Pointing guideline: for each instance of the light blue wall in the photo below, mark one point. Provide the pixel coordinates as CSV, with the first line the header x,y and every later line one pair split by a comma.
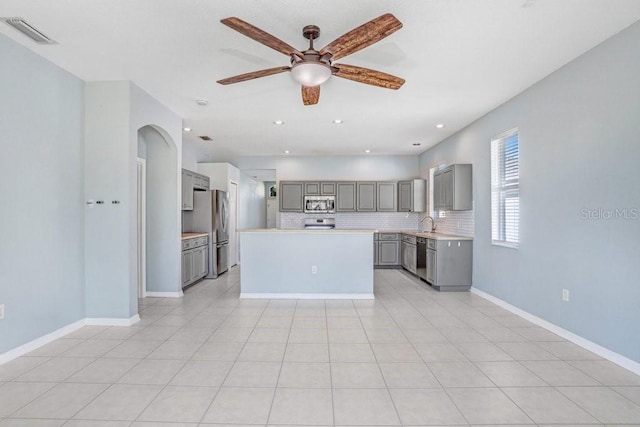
x,y
579,147
115,111
167,125
377,168
252,208
41,188
107,179
281,262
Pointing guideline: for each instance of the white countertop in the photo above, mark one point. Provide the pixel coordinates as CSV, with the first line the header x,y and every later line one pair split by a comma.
x,y
186,236
434,236
307,231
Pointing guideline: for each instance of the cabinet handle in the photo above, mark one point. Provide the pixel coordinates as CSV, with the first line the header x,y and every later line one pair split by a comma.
x,y
458,244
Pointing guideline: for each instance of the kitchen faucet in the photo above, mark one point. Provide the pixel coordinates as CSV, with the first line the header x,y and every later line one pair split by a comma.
x,y
433,222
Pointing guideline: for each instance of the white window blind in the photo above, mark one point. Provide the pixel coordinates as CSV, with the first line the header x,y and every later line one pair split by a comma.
x,y
505,193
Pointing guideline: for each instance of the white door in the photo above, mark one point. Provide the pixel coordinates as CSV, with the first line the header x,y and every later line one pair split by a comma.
x,y
272,209
233,220
142,235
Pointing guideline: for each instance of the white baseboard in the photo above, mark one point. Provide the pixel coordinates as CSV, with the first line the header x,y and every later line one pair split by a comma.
x,y
106,321
39,342
165,294
260,295
65,330
603,352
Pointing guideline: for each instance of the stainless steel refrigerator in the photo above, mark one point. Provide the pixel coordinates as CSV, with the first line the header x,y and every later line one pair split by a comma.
x,y
211,215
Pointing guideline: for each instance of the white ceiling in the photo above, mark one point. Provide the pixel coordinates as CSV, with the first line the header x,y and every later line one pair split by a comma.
x,y
460,59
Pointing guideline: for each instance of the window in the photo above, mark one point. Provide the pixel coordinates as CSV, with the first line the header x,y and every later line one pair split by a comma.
x,y
505,193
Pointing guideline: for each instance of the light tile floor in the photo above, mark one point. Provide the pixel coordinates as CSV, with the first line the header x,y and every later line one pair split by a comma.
x,y
411,357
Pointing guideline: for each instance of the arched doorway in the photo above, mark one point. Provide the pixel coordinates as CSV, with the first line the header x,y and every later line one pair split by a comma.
x,y
158,251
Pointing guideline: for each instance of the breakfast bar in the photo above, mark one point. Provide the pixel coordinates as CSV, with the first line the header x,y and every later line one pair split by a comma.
x,y
306,264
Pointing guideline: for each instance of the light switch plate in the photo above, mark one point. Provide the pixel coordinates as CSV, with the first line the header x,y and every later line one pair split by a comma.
x,y
1,311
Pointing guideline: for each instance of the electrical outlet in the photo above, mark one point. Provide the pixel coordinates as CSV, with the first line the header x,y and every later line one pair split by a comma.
x,y
1,311
314,269
565,295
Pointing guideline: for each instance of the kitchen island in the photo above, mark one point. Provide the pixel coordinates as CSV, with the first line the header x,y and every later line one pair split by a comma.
x,y
306,264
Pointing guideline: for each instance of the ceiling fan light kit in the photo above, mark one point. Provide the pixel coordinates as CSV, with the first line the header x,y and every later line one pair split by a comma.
x,y
310,73
312,67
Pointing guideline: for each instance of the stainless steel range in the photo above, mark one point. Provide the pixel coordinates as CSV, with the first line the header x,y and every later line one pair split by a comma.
x,y
319,223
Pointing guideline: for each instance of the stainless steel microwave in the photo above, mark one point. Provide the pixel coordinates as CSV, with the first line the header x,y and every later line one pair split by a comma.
x,y
319,204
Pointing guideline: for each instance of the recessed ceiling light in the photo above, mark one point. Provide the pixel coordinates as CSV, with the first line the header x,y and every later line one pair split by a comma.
x,y
278,122
338,121
367,151
202,102
286,151
416,144
440,125
186,129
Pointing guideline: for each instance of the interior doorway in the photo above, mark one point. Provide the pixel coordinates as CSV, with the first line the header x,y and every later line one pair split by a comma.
x,y
142,228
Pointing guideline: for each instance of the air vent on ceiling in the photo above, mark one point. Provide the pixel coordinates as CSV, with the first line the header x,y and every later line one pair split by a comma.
x,y
205,138
28,30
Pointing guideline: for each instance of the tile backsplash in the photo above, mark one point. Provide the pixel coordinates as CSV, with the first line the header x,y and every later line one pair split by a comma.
x,y
358,220
459,223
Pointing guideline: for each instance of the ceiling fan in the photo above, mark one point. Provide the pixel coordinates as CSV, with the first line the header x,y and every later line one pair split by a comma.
x,y
313,67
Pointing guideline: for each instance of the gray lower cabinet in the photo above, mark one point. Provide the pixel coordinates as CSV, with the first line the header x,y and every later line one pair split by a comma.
x,y
386,250
291,195
449,264
409,253
195,260
346,196
366,196
187,267
386,196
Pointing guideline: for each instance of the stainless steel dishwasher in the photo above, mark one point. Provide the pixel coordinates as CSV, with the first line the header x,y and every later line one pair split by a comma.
x,y
421,258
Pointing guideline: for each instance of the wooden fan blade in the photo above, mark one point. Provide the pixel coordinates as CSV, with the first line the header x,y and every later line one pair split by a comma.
x,y
365,75
363,36
310,95
253,75
260,36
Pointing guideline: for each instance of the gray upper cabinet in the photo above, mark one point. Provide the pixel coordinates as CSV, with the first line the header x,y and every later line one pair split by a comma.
x,y
452,188
315,188
386,196
187,190
345,196
438,197
311,188
366,196
327,188
412,195
192,181
291,193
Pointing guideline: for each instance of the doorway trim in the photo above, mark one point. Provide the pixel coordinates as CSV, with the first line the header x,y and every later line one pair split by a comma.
x,y
142,226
